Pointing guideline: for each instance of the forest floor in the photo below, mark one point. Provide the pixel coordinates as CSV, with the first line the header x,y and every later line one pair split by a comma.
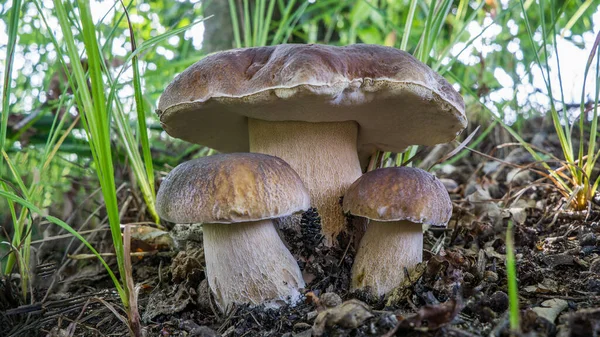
x,y
459,290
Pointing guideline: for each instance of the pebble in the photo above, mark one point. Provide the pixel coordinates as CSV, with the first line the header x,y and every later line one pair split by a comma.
x,y
490,276
330,300
499,301
595,266
302,326
588,239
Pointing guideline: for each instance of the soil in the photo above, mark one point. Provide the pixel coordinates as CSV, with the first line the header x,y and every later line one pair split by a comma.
x,y
459,290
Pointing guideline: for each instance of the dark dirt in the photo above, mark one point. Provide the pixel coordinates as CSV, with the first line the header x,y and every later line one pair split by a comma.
x,y
459,290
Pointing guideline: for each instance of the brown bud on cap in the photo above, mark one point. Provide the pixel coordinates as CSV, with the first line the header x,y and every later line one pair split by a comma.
x,y
231,188
399,193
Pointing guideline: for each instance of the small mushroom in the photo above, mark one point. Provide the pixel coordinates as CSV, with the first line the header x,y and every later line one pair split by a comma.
x,y
397,201
323,109
236,197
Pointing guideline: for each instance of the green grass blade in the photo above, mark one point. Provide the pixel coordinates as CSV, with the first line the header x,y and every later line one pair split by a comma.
x,y
511,275
460,33
267,24
94,116
247,24
515,134
576,16
283,23
409,21
100,122
484,135
256,21
294,20
235,24
568,152
66,227
13,28
142,127
422,47
594,126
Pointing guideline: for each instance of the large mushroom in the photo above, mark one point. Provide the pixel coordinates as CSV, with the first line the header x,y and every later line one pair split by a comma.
x,y
398,201
236,197
325,110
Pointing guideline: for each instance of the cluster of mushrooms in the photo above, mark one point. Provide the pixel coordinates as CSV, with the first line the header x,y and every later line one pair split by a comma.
x,y
310,117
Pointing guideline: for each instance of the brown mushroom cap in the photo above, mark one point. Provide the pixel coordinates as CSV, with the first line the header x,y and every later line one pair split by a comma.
x,y
399,193
230,188
396,100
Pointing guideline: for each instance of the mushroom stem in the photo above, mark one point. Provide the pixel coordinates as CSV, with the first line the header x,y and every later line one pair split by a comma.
x,y
248,263
323,154
384,251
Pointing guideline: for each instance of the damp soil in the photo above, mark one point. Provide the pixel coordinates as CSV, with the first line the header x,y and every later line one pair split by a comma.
x,y
460,289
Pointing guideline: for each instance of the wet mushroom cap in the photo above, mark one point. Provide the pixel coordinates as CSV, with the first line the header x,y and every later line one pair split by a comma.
x,y
231,188
396,100
399,193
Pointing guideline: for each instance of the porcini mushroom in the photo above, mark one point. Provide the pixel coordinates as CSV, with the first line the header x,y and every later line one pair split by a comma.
x,y
236,197
397,201
322,109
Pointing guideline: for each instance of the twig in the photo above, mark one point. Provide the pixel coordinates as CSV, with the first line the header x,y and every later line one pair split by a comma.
x,y
132,311
345,252
393,331
93,256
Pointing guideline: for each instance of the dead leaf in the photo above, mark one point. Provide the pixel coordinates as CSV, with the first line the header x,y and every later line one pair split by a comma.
x,y
349,315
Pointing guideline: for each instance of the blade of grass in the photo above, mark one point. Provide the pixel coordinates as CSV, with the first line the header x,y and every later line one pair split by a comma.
x,y
142,128
20,232
513,133
256,21
409,21
133,314
594,124
247,29
511,275
267,24
66,227
13,27
235,24
576,16
591,164
294,20
95,118
283,23
478,140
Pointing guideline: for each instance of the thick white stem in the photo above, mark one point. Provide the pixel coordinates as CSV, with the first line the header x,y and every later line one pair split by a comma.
x,y
323,154
384,251
248,263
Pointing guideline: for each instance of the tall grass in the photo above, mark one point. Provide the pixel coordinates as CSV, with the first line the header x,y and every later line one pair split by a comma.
x,y
92,104
255,24
19,229
429,44
94,101
573,177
